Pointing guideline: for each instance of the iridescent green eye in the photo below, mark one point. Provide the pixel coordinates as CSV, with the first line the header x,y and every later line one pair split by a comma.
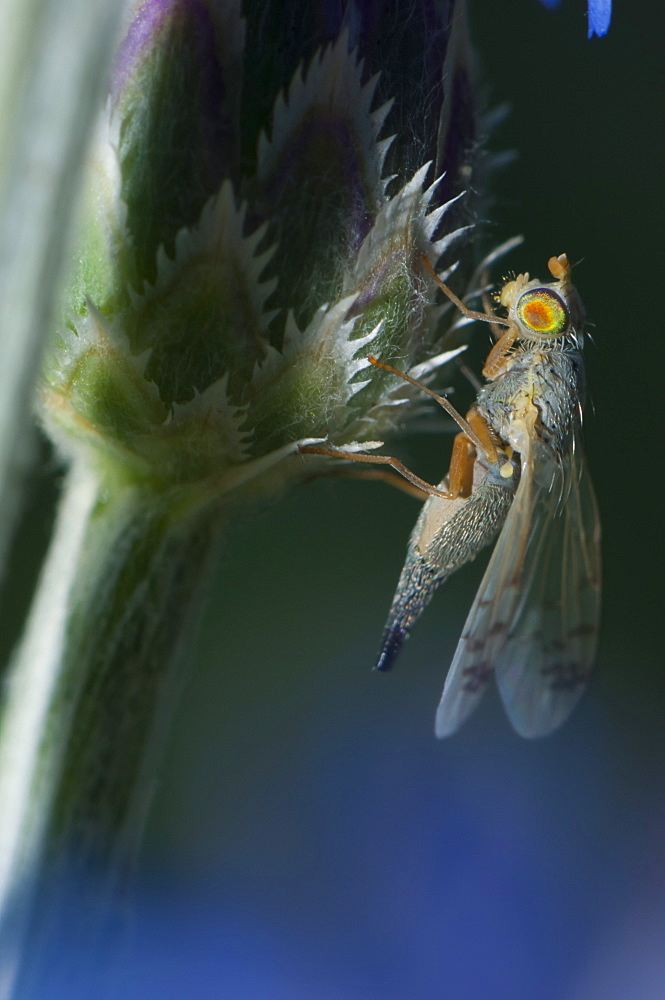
x,y
541,311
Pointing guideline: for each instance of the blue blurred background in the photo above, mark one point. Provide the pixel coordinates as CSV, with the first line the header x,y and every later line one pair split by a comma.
x,y
310,838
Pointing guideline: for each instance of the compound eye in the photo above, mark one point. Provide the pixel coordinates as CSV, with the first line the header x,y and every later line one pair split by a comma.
x,y
541,311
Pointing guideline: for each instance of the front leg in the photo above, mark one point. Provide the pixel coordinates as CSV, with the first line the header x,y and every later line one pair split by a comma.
x,y
497,358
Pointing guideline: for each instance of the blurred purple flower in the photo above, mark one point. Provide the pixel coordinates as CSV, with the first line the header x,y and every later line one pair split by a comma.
x,y
599,13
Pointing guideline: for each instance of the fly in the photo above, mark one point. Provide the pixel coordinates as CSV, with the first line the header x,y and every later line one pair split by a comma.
x,y
517,472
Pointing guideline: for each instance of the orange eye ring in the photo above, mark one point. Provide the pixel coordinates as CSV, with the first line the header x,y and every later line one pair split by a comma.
x,y
542,313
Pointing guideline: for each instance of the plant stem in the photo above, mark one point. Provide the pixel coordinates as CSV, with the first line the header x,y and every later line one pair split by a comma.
x,y
54,58
91,695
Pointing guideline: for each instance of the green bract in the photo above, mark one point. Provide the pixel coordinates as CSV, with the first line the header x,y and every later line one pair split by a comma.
x,y
217,316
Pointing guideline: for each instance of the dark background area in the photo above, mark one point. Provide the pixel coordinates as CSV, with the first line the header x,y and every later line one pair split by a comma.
x,y
310,837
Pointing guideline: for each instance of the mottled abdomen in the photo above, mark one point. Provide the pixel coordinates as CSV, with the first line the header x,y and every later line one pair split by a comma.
x,y
447,534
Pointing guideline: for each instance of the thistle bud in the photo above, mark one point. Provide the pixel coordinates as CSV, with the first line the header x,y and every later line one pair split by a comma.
x,y
236,268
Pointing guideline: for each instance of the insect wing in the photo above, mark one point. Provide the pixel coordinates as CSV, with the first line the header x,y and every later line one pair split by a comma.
x,y
535,617
546,660
491,614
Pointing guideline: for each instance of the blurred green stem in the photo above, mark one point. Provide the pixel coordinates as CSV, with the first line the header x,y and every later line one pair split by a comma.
x,y
54,57
94,683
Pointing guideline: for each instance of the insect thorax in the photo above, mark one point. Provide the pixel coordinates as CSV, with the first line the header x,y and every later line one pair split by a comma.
x,y
554,380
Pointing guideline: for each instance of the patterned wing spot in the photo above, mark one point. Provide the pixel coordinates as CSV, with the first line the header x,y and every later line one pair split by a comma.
x,y
476,646
569,676
476,677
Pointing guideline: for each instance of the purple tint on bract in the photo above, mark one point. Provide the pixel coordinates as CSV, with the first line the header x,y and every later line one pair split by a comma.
x,y
177,41
143,31
140,34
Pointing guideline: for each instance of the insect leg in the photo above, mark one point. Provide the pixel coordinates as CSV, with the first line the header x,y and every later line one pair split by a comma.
x,y
463,424
484,433
394,463
378,473
460,473
484,317
464,454
495,362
